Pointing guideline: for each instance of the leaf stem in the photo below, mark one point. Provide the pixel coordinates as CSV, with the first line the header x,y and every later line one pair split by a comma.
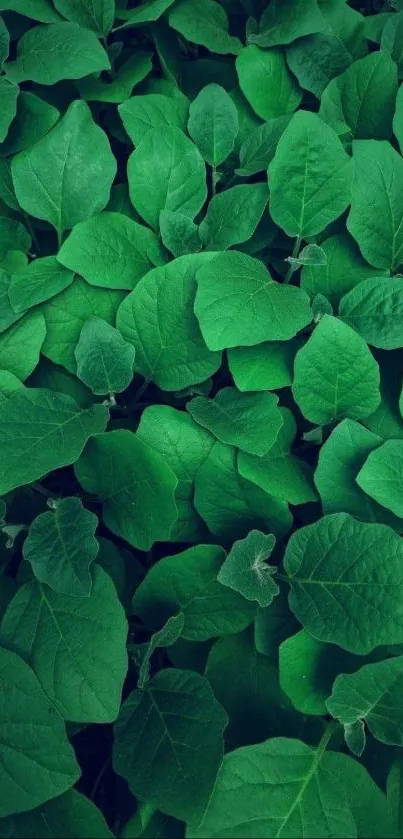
x,y
214,180
295,251
140,391
330,729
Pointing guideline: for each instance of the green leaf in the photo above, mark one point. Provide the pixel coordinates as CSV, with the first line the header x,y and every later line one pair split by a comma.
x,y
233,215
20,346
309,177
282,786
90,14
86,678
187,583
273,625
40,431
379,477
340,460
267,83
4,42
391,40
394,793
29,773
7,194
230,505
251,422
148,11
66,177
9,95
258,150
111,250
124,79
316,59
165,637
142,114
279,472
308,669
268,366
184,446
166,172
179,233
374,694
66,314
369,807
309,255
37,9
239,304
34,118
398,118
61,546
284,21
135,484
7,314
204,22
104,359
213,123
340,592
71,814
245,569
344,269
55,51
41,280
355,737
362,98
158,319
335,374
13,235
374,308
163,747
377,183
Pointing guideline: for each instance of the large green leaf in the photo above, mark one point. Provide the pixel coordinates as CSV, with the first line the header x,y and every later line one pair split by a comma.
x,y
166,172
55,51
251,422
41,430
374,694
259,148
283,21
158,319
20,346
340,591
335,374
380,475
42,279
61,546
279,788
187,583
184,446
111,250
142,114
90,14
135,484
69,816
267,83
233,215
84,640
309,177
32,735
34,118
316,59
67,176
204,22
239,304
9,95
267,366
374,308
213,123
376,215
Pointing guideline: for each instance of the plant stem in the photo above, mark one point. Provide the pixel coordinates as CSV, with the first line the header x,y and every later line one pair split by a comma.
x,y
295,252
331,727
140,391
214,180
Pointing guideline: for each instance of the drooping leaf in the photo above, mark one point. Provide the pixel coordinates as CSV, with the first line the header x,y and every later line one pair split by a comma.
x,y
61,546
246,570
158,319
267,83
66,177
165,637
135,484
124,79
309,177
41,430
85,641
49,53
29,774
239,304
335,374
340,592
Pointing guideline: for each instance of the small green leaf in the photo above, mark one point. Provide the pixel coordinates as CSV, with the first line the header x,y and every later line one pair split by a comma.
x,y
267,83
179,233
213,123
41,280
380,475
233,215
165,637
268,366
259,147
245,569
309,255
135,484
374,694
251,422
239,304
29,774
335,374
104,359
344,269
34,118
340,592
61,546
355,738
187,583
124,79
55,51
142,114
316,59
